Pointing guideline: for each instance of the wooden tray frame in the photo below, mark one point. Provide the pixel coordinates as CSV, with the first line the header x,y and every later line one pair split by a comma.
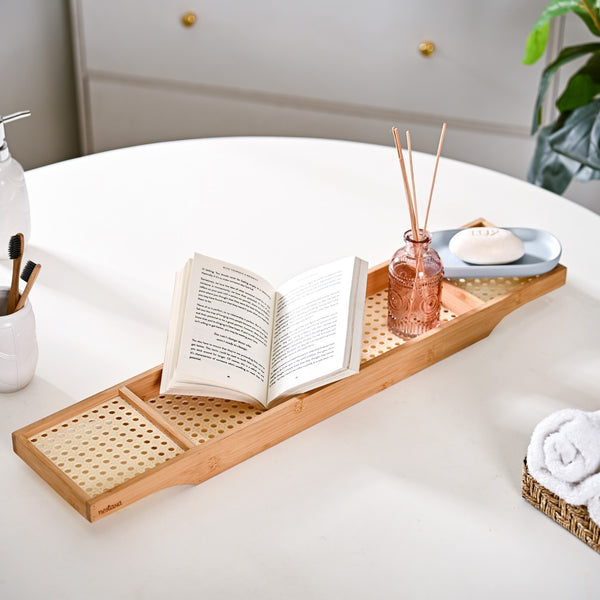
x,y
192,463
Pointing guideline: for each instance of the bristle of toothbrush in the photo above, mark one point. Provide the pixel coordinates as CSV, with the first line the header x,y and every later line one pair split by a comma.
x,y
15,246
27,270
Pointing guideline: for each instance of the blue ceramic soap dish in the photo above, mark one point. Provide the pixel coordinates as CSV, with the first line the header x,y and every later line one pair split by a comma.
x,y
542,253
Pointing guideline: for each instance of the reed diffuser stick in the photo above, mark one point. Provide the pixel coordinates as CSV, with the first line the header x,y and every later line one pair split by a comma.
x,y
412,178
411,211
437,160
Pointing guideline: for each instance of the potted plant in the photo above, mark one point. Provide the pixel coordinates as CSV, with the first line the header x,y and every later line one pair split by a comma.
x,y
570,146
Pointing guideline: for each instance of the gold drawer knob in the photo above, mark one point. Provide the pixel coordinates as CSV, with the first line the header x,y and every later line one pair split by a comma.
x,y
189,19
427,48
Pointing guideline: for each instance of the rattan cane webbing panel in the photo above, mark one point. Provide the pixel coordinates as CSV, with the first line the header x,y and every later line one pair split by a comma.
x,y
489,288
201,418
377,338
575,519
105,446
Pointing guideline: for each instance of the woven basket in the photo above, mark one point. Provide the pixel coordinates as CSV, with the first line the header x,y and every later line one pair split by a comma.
x,y
574,518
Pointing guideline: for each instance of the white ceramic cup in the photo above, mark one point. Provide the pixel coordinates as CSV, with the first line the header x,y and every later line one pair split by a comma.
x,y
18,345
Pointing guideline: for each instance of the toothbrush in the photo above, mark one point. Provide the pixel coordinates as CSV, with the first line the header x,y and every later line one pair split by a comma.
x,y
15,253
29,275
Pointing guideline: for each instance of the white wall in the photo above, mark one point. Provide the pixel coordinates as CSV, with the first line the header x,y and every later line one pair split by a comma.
x,y
36,73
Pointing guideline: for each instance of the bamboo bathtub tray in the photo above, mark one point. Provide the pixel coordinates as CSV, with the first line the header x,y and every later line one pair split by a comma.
x,y
128,441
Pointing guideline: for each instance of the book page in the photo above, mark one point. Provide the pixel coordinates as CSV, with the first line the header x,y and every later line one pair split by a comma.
x,y
312,322
180,291
227,323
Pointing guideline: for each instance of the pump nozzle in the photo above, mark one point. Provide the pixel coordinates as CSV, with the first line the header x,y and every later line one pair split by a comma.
x,y
15,116
4,153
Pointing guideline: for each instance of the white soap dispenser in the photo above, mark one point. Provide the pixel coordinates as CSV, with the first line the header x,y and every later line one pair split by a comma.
x,y
14,201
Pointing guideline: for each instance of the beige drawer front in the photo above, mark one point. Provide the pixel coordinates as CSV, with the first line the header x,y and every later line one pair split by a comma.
x,y
338,51
189,115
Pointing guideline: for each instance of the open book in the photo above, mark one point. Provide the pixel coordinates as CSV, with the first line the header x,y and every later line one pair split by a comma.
x,y
232,335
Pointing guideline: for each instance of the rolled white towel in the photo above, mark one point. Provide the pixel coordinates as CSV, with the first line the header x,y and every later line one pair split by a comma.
x,y
564,455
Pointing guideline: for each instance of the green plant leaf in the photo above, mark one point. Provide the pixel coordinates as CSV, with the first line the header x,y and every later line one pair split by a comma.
x,y
582,87
585,16
578,137
536,44
566,55
549,169
587,174
538,37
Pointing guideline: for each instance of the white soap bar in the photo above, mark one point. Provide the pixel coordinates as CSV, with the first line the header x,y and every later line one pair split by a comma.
x,y
487,246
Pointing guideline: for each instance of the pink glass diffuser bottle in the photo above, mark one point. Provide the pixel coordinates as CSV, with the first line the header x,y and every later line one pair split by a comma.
x,y
415,287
